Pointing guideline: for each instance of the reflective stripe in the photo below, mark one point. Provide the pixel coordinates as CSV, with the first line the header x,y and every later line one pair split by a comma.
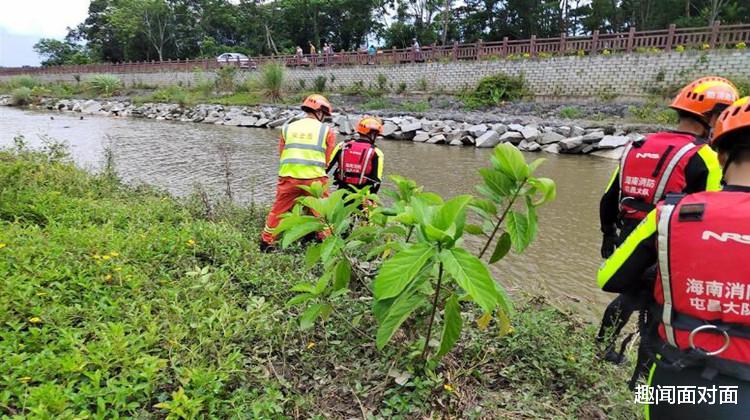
x,y
711,160
305,147
303,162
659,194
612,178
365,162
609,268
622,165
322,136
666,283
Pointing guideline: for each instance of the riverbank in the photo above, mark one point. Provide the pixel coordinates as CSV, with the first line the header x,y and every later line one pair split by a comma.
x,y
129,302
529,133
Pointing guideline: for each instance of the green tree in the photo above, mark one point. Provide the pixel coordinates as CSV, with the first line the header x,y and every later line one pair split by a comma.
x,y
55,52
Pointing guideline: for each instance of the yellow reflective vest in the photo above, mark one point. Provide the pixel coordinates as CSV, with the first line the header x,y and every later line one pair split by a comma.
x,y
304,153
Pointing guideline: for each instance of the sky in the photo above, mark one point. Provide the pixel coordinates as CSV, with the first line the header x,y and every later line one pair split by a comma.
x,y
23,22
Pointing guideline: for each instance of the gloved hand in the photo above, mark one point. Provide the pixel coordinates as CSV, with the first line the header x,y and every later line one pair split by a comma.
x,y
609,243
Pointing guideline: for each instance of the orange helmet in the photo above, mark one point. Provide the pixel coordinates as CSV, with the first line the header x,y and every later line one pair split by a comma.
x,y
317,102
367,125
734,118
704,96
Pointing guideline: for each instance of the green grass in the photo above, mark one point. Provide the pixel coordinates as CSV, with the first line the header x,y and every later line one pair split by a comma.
x,y
653,112
419,106
127,302
571,112
376,103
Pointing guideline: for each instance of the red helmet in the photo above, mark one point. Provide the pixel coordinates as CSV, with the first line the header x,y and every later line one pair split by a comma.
x,y
317,102
704,96
367,125
736,117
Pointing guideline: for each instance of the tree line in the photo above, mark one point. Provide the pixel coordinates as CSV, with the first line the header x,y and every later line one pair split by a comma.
x,y
137,30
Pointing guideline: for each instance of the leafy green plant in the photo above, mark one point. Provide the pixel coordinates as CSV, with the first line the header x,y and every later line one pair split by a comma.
x,y
420,106
494,90
376,103
571,112
226,78
21,96
401,88
271,80
382,82
319,84
301,83
105,84
422,266
422,84
653,112
24,81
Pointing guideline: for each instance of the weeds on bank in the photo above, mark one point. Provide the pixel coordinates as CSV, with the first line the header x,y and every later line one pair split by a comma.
x,y
123,301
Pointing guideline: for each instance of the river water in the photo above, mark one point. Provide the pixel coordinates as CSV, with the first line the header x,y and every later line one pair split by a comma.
x,y
560,264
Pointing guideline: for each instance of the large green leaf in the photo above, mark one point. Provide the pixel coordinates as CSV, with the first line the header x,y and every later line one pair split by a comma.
x,y
452,324
312,255
307,319
517,225
472,275
474,229
453,212
486,208
546,189
501,248
299,231
342,274
497,181
535,164
301,298
396,273
531,219
397,314
510,161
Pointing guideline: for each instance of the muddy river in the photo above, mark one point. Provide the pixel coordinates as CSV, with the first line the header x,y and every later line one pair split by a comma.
x,y
560,264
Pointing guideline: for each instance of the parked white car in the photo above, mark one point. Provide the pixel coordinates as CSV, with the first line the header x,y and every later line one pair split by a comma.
x,y
244,61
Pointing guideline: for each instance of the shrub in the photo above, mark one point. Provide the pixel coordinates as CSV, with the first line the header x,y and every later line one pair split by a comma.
x,y
496,89
606,52
319,84
225,78
301,83
422,84
421,106
571,112
741,45
680,48
105,84
653,112
705,47
376,103
24,81
401,88
21,96
172,94
382,81
743,86
271,80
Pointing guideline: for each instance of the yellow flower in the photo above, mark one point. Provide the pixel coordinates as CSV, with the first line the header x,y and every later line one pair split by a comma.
x,y
449,388
108,277
24,379
106,257
2,245
96,256
35,320
310,345
190,242
114,253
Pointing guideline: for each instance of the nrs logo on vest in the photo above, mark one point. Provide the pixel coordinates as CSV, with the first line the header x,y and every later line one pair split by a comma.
x,y
726,236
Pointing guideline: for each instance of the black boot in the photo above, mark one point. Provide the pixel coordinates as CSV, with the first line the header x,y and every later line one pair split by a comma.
x,y
266,247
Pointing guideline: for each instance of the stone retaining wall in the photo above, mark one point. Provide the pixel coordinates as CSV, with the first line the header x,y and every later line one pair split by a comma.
x,y
624,76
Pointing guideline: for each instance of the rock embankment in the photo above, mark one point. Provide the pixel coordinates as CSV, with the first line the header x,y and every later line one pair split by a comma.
x,y
555,138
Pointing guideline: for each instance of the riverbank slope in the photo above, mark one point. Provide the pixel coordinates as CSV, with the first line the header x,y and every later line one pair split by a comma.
x,y
122,301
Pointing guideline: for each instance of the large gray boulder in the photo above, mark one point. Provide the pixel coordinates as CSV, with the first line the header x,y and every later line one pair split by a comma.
x,y
421,136
467,140
571,143
515,127
91,107
593,136
511,137
278,122
499,128
246,121
262,122
409,127
478,130
612,142
488,139
530,133
438,139
550,137
576,131
529,146
389,129
552,148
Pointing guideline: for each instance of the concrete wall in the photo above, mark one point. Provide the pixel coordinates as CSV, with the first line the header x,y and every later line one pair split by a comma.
x,y
623,75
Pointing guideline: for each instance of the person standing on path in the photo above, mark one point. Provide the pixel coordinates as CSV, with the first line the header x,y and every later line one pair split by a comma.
x,y
305,147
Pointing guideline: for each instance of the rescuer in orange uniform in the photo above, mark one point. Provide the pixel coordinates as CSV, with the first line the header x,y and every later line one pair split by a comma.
x,y
305,148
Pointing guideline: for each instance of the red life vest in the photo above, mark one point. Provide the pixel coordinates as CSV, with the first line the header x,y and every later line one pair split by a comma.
x,y
703,280
651,168
355,162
